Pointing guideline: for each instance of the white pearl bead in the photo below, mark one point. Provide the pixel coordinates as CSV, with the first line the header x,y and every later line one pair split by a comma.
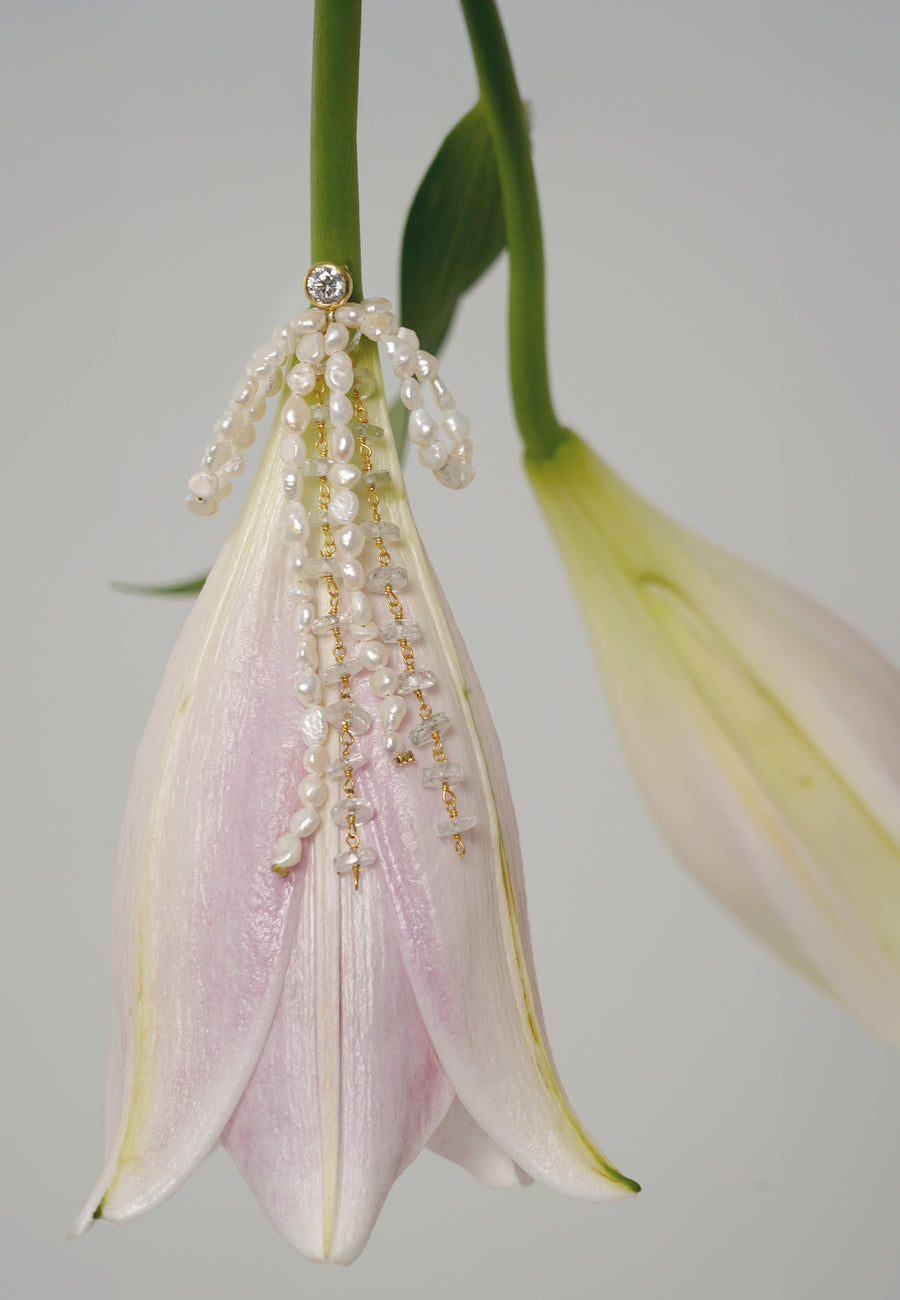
x,y
409,337
351,539
306,614
458,426
393,711
352,572
293,484
433,455
376,306
215,456
287,851
373,655
308,687
312,790
308,651
229,426
285,335
343,506
339,372
292,450
295,413
296,523
442,395
315,760
384,681
302,379
466,473
309,322
273,385
234,465
392,744
341,475
261,367
341,409
360,607
463,450
411,394
272,350
341,444
426,365
351,313
311,347
422,428
254,413
223,489
244,393
314,725
304,822
204,486
201,506
337,336
377,324
403,361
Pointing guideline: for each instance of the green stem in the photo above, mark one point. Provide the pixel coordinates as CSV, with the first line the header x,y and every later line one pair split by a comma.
x,y
529,374
333,176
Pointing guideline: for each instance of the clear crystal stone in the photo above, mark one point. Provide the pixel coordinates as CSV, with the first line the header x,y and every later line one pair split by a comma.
x,y
316,467
422,734
376,478
334,672
416,679
455,826
354,859
386,531
340,765
327,285
438,773
361,810
402,629
363,429
358,718
392,573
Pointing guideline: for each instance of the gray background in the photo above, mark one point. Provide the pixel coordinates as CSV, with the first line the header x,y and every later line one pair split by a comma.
x,y
721,196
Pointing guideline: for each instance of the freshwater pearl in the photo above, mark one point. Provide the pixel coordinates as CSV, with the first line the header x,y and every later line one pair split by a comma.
x,y
201,506
337,336
309,322
315,760
352,314
392,743
422,428
360,607
234,465
433,455
284,334
308,687
341,444
308,650
230,425
344,506
351,539
351,572
215,456
442,395
312,790
292,450
273,385
295,413
426,365
403,361
409,337
339,371
256,411
375,306
287,851
384,681
302,379
296,523
457,425
314,725
411,394
293,484
311,347
341,475
463,450
393,711
224,488
341,409
305,821
373,655
204,486
244,393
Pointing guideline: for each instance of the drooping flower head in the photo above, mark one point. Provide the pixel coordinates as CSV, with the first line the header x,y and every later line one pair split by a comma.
x,y
321,952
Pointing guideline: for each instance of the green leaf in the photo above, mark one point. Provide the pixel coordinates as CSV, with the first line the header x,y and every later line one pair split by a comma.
x,y
454,230
190,587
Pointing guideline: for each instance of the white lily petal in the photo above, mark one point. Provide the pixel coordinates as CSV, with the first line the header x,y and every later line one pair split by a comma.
x,y
459,1138
764,732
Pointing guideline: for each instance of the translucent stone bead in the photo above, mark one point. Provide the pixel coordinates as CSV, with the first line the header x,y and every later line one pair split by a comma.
x,y
311,348
364,631
295,413
415,679
363,429
304,822
312,790
358,718
315,760
392,743
293,484
342,443
341,475
351,572
388,532
457,425
364,382
201,505
316,467
204,485
360,809
318,566
422,734
433,455
339,371
360,607
287,851
308,650
337,336
373,655
296,523
442,395
376,478
314,725
355,859
352,761
300,590
341,408
411,394
343,506
402,629
351,314
308,687
455,826
422,428
387,573
351,539
326,623
244,393
309,322
426,365
383,682
437,773
393,711
346,668
306,616
319,412
302,379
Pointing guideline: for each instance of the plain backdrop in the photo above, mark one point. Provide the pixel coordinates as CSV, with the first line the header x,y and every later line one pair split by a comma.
x,y
721,197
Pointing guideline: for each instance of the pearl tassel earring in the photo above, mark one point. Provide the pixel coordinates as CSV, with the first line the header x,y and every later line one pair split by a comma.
x,y
338,632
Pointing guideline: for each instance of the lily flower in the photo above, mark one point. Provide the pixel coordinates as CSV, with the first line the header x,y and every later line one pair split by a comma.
x,y
764,733
374,992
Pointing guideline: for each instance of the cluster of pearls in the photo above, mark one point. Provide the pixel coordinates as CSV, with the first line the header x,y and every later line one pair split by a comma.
x,y
329,552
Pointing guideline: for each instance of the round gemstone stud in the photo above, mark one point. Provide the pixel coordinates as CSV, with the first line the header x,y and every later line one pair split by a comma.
x,y
328,285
